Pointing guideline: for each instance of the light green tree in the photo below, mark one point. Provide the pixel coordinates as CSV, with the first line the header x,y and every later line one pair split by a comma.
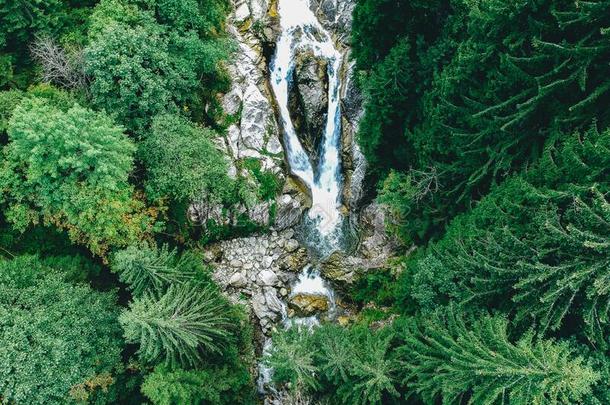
x,y
70,169
180,326
149,269
183,162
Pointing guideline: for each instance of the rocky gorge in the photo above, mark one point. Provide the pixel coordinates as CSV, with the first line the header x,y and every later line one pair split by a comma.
x,y
263,271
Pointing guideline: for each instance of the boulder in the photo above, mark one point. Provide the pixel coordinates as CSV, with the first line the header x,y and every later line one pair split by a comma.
x,y
238,280
308,304
289,212
294,262
337,267
267,278
308,101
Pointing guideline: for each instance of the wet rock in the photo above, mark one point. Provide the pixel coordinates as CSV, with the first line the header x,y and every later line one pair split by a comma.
x,y
308,304
289,212
354,163
294,262
336,16
337,268
376,243
308,101
374,252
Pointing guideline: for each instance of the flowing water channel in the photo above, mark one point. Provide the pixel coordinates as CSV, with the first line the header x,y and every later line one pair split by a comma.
x,y
302,32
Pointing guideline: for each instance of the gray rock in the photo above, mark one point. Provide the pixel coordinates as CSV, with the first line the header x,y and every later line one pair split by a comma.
x,y
268,278
238,280
308,101
291,245
272,301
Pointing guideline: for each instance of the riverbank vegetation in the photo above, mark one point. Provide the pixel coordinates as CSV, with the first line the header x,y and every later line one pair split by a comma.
x,y
486,129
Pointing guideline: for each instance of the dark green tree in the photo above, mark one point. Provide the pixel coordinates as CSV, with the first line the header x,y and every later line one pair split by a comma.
x,y
450,359
58,342
536,245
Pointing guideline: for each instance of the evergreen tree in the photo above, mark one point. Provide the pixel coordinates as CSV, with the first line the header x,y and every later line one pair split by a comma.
x,y
539,239
347,366
149,269
357,363
292,359
450,359
180,326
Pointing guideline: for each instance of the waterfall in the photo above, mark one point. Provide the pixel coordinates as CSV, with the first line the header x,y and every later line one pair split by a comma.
x,y
301,31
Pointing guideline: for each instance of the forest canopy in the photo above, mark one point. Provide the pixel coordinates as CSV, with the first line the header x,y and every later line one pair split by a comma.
x,y
486,132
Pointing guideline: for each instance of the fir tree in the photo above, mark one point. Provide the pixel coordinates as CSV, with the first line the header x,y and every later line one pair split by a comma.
x,y
452,359
148,269
180,326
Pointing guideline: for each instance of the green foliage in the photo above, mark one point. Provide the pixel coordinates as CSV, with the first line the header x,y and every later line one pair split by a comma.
x,y
55,336
180,326
141,68
347,366
183,162
8,102
22,21
390,96
449,359
70,169
292,360
149,269
492,85
212,385
395,19
538,240
376,286
269,185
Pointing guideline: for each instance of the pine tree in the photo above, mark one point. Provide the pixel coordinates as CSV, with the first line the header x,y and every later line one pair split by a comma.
x,y
342,365
536,245
452,359
180,326
149,269
357,362
292,359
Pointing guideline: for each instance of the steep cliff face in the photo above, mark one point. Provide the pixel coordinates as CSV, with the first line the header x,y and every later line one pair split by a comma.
x,y
255,131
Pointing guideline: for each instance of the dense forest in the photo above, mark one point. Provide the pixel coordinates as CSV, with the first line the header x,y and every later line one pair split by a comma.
x,y
107,121
486,132
488,143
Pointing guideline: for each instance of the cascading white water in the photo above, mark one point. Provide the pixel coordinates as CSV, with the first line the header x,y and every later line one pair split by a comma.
x,y
301,31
